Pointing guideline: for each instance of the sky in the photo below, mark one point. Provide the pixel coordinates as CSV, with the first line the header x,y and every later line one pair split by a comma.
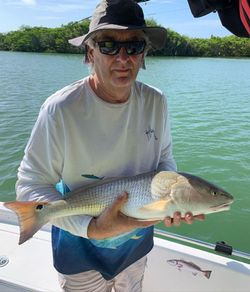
x,y
173,14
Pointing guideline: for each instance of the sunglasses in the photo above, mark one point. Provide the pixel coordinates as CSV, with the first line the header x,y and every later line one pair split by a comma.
x,y
114,47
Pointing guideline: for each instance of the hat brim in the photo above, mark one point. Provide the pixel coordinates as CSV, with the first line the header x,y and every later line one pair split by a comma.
x,y
157,35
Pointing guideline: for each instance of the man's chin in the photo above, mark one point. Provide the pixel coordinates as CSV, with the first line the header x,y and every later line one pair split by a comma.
x,y
123,81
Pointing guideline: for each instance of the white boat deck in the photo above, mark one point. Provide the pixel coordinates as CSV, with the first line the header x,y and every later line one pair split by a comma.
x,y
30,266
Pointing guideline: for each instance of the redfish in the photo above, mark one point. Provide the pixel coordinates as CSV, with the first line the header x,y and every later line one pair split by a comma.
x,y
152,196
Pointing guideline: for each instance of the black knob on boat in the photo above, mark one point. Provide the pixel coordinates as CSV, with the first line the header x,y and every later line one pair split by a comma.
x,y
222,247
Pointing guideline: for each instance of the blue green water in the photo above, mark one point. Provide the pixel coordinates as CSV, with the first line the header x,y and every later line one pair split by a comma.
x,y
209,101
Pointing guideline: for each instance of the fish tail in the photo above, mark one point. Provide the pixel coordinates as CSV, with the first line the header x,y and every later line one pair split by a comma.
x,y
29,217
207,274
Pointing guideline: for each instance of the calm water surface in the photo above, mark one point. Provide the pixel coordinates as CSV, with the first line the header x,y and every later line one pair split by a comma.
x,y
209,101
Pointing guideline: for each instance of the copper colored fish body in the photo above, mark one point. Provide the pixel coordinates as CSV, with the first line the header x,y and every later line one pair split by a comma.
x,y
152,196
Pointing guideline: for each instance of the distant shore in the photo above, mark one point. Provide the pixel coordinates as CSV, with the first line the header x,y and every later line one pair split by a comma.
x,y
55,40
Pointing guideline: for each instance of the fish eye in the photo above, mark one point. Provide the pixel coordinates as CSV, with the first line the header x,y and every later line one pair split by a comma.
x,y
214,193
39,207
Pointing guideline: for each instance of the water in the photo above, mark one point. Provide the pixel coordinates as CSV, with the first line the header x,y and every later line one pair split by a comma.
x,y
209,101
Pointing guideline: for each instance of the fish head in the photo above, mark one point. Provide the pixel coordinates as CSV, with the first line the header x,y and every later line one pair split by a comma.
x,y
205,197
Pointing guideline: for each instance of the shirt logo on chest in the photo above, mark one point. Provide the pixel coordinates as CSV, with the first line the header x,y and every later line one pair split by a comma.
x,y
150,133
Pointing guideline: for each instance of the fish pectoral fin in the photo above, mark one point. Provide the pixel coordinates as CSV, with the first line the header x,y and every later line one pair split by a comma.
x,y
160,205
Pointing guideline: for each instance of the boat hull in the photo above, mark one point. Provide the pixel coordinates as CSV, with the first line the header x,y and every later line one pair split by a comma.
x,y
162,273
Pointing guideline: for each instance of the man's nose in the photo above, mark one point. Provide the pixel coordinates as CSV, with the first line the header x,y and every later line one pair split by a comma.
x,y
122,56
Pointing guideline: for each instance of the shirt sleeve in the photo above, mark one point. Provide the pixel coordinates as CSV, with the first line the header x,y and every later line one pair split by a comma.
x,y
167,161
41,168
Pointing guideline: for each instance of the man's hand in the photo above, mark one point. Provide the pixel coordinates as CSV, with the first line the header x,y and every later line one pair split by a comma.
x,y
177,219
112,222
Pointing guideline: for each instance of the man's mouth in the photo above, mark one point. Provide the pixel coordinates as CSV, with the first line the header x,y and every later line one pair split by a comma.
x,y
122,70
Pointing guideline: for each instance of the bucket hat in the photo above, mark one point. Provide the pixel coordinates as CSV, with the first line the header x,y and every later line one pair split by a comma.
x,y
121,15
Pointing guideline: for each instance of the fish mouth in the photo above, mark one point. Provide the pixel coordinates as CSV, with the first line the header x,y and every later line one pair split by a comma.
x,y
225,206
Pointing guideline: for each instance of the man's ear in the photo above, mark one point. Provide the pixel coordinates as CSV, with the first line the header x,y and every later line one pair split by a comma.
x,y
90,55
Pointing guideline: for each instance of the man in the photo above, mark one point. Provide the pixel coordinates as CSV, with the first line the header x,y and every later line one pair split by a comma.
x,y
105,125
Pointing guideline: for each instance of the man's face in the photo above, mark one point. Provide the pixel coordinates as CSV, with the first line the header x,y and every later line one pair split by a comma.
x,y
120,70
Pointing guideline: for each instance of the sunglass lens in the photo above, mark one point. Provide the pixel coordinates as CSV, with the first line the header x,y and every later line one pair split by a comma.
x,y
108,47
135,47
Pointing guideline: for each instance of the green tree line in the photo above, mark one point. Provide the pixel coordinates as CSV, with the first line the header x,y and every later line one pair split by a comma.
x,y
42,39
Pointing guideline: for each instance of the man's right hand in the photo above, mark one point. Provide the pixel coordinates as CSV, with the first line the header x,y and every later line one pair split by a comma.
x,y
111,222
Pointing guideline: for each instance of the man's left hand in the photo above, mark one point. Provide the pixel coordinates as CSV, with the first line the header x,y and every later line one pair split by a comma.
x,y
177,219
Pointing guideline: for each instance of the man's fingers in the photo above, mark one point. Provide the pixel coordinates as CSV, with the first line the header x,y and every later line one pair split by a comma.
x,y
189,219
177,219
168,221
119,202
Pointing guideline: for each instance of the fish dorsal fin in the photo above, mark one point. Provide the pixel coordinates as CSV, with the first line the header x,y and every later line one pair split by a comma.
x,y
157,206
91,185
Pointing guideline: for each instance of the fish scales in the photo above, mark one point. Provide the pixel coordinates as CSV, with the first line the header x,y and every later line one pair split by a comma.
x,y
94,199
